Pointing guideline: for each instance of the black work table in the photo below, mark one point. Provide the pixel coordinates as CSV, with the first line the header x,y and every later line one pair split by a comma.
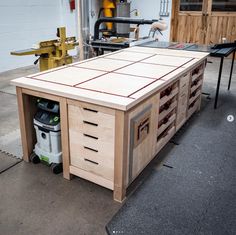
x,y
216,51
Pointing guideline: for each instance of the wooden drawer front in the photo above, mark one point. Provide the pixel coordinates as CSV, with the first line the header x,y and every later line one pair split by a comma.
x,y
168,93
194,95
193,107
92,141
166,122
196,83
182,109
167,108
196,72
94,164
165,137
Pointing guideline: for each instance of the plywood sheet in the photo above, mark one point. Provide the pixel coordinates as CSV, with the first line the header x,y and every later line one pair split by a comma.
x,y
146,70
117,84
104,64
130,56
69,76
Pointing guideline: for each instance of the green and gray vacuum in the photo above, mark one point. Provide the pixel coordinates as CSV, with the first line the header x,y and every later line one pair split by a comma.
x,y
48,134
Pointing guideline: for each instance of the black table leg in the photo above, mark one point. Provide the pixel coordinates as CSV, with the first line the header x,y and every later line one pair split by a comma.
x,y
231,70
218,83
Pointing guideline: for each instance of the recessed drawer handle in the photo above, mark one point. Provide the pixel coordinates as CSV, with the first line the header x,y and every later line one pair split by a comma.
x,y
193,94
191,105
90,136
94,150
87,160
90,123
90,110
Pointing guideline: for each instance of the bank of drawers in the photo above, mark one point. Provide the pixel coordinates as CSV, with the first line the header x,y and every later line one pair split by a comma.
x,y
91,134
195,90
182,100
167,114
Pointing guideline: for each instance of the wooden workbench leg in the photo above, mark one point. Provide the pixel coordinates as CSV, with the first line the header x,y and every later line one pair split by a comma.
x,y
65,138
121,145
26,111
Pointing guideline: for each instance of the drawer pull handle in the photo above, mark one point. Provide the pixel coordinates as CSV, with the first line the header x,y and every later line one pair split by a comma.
x,y
165,106
94,150
193,94
90,110
163,135
90,123
90,136
191,105
166,92
87,160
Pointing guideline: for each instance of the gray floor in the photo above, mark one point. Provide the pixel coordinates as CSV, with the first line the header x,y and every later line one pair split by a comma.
x,y
33,200
194,192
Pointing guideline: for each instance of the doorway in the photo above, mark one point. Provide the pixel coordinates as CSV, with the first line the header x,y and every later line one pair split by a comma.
x,y
203,21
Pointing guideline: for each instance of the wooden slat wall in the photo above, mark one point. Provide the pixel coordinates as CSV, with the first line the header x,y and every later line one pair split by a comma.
x,y
219,27
204,27
189,29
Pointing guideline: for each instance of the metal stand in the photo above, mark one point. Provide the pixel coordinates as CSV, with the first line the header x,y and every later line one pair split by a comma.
x,y
231,70
218,83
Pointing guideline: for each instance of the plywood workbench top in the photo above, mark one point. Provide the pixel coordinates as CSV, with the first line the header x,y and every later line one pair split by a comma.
x,y
117,80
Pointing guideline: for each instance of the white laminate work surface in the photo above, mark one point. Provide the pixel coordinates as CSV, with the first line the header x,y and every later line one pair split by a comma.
x,y
118,80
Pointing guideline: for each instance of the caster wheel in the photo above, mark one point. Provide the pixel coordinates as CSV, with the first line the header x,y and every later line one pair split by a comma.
x,y
56,168
34,158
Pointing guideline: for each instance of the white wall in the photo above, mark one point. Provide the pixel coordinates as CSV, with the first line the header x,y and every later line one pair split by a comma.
x,y
27,22
149,9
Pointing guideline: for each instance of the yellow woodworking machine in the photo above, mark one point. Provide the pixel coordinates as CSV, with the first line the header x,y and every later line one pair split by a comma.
x,y
52,53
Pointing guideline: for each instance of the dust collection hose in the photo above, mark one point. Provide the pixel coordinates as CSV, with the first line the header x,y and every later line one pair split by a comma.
x,y
124,20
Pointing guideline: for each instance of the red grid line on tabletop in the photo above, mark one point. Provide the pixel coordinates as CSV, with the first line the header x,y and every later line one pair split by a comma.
x,y
177,56
159,78
159,64
141,52
99,70
46,72
104,92
42,80
139,76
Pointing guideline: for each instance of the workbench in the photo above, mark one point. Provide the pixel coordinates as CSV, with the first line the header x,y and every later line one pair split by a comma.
x,y
117,110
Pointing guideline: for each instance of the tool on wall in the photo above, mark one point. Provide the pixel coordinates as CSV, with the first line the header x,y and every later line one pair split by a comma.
x,y
52,53
164,8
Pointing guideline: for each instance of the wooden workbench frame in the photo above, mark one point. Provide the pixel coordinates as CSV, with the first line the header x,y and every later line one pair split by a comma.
x,y
26,106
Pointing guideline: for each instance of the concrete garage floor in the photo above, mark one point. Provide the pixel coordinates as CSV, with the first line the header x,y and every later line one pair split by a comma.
x,y
34,201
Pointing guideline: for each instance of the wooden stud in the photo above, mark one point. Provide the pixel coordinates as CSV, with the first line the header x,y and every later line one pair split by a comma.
x,y
65,138
121,146
26,111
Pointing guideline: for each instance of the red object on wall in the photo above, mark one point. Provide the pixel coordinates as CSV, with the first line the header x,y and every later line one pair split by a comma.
x,y
72,5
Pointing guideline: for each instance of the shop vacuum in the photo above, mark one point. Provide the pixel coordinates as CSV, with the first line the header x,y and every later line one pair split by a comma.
x,y
48,134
